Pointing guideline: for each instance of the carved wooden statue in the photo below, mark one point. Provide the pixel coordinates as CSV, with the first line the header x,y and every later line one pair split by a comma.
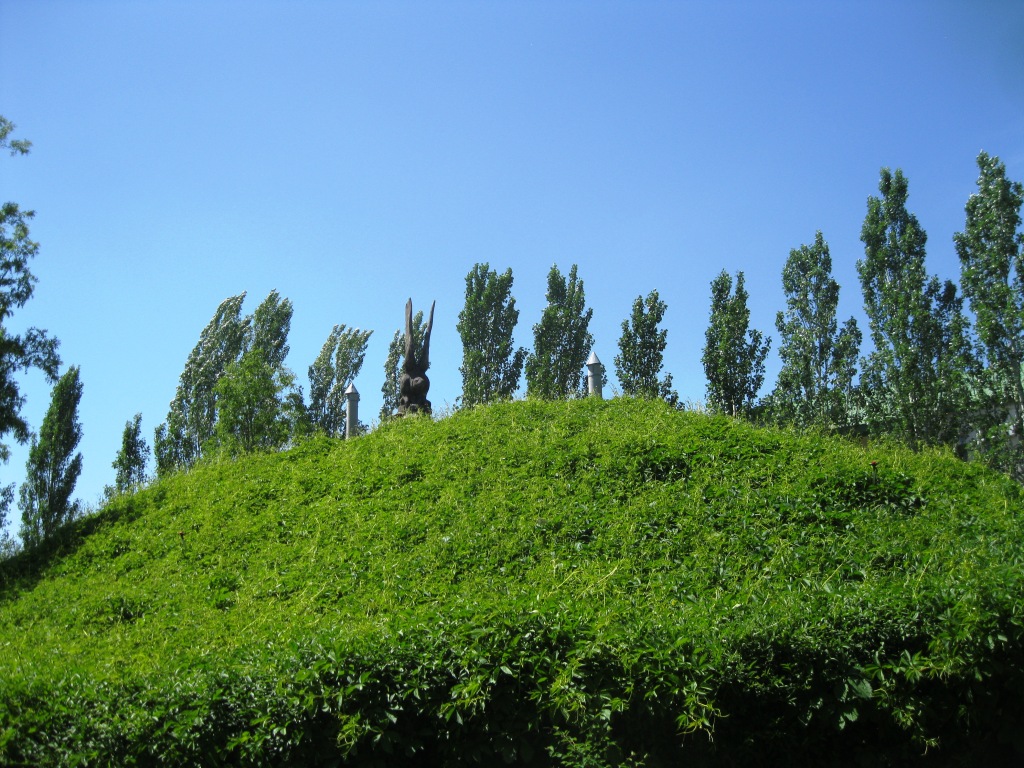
x,y
413,386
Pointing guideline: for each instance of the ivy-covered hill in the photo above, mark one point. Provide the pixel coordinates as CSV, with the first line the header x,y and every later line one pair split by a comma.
x,y
581,583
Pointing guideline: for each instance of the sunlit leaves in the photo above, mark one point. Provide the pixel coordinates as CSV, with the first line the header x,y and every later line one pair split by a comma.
x,y
734,353
991,250
335,368
539,581
815,384
641,351
561,340
491,364
915,379
53,464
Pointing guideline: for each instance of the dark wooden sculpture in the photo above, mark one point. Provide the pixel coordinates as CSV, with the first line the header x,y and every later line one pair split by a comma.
x,y
413,386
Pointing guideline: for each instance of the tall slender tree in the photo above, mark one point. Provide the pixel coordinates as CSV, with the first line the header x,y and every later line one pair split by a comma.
x,y
131,460
561,340
641,351
734,353
991,251
819,360
193,411
915,380
32,348
53,466
228,338
491,364
393,365
337,366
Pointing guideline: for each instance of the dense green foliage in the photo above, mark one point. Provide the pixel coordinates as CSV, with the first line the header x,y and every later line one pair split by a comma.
x,y
235,392
572,583
53,464
33,348
642,349
491,363
253,410
819,360
915,381
734,352
192,416
991,250
561,340
335,368
130,462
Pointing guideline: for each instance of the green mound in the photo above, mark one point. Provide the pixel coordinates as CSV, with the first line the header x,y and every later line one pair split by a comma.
x,y
582,583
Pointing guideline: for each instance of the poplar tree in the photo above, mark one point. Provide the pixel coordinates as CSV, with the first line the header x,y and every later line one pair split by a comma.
x,y
819,360
53,467
267,329
226,340
491,364
394,362
991,251
734,353
131,460
561,340
641,351
337,366
914,381
179,441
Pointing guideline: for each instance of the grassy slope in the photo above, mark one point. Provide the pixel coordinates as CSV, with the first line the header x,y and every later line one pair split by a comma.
x,y
567,581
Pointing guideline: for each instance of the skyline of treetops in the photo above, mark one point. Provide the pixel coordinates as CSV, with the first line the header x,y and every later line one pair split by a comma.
x,y
944,364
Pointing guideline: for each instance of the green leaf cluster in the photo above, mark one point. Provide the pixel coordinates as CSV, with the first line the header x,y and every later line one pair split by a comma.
x,y
641,351
53,464
819,360
734,353
491,364
33,348
233,386
561,340
991,250
540,582
915,379
252,412
130,462
335,368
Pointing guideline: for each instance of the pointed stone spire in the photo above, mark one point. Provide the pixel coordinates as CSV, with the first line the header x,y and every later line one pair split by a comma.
x,y
594,375
351,411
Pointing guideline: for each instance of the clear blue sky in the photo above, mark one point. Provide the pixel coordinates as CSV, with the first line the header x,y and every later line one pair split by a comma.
x,y
355,154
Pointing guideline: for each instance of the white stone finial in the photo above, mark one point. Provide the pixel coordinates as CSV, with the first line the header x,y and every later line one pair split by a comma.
x,y
595,373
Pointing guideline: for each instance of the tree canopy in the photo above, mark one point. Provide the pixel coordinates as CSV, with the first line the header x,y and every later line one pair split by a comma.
x,y
819,360
225,341
132,458
914,381
991,251
53,466
491,364
337,366
561,340
33,348
252,405
641,351
734,353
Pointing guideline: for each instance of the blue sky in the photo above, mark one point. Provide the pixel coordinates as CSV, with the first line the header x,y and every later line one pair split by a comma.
x,y
354,154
